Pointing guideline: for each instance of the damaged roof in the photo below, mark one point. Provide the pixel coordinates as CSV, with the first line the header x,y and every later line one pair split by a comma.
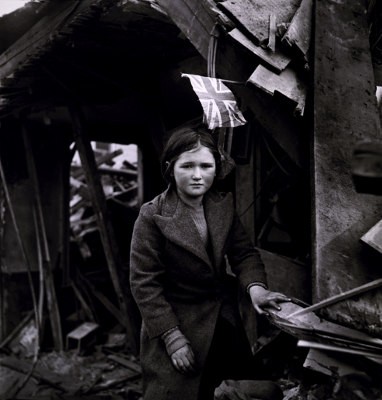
x,y
47,57
96,50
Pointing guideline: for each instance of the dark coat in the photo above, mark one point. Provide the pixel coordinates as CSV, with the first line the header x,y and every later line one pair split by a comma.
x,y
175,281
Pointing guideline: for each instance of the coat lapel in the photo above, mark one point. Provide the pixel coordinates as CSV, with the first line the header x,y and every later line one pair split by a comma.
x,y
178,226
219,216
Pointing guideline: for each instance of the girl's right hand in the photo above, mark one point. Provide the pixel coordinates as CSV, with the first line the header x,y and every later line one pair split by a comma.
x,y
183,360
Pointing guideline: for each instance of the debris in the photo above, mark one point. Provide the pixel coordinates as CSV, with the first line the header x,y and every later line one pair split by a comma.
x,y
253,16
15,334
82,337
247,390
43,245
115,340
42,374
341,349
110,383
315,332
277,61
328,364
299,31
126,362
107,234
24,344
340,297
288,84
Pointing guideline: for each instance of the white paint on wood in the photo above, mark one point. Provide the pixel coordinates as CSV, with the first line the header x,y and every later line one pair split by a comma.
x,y
287,83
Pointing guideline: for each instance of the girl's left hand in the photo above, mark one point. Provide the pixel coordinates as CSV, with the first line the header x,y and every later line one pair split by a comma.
x,y
263,298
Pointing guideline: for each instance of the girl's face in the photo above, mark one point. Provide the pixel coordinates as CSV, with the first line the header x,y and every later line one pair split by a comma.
x,y
194,172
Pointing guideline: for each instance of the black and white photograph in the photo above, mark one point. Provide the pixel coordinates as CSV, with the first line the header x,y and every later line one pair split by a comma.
x,y
190,199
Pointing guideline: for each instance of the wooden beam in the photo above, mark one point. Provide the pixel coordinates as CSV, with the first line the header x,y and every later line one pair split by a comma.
x,y
272,33
54,313
339,297
105,226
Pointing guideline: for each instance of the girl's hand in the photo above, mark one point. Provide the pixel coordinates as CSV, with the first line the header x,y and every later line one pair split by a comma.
x,y
263,298
183,360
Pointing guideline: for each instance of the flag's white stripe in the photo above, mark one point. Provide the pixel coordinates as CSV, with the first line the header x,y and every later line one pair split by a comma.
x,y
197,83
212,113
235,115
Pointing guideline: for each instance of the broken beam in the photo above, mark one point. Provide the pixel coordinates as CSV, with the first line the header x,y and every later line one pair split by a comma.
x,y
340,297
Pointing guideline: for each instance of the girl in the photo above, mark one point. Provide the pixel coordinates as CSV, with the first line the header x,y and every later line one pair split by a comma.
x,y
192,337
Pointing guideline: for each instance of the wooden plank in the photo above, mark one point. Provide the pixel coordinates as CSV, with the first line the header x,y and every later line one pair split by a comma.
x,y
330,347
25,321
253,16
106,302
340,297
87,310
312,327
114,382
325,363
125,362
35,39
54,313
44,375
272,33
287,83
105,226
300,29
276,61
78,173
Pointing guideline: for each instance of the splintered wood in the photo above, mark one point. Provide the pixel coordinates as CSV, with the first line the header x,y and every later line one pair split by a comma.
x,y
253,16
300,29
318,333
287,84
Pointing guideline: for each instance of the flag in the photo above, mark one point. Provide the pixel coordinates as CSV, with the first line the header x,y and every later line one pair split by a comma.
x,y
219,104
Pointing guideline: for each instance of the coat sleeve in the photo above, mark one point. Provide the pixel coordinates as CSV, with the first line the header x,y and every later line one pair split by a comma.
x,y
244,259
147,275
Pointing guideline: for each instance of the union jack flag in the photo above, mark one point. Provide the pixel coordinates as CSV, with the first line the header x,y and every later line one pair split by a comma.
x,y
220,109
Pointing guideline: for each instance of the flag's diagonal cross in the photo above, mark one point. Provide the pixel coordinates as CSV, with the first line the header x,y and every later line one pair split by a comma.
x,y
218,102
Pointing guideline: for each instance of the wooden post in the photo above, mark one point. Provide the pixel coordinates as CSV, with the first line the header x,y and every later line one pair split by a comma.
x,y
106,228
53,309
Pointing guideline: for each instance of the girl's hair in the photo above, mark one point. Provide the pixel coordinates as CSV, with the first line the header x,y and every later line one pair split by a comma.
x,y
186,139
